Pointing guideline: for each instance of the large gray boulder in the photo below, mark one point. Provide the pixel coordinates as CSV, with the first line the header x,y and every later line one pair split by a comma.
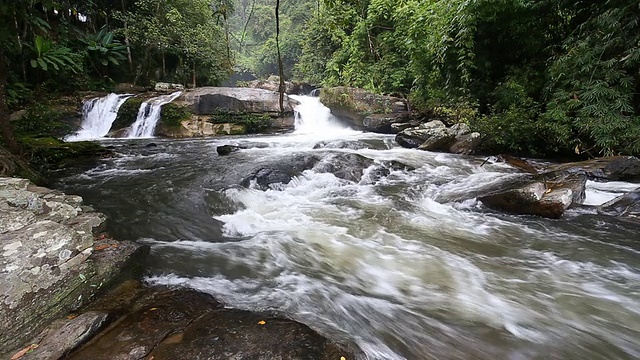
x,y
436,136
547,195
50,260
216,100
364,110
612,168
626,206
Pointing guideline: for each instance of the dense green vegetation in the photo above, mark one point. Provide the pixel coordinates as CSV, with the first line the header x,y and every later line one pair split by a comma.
x,y
538,77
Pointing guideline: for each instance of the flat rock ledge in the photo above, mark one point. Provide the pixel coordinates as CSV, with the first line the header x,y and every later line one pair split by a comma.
x,y
51,259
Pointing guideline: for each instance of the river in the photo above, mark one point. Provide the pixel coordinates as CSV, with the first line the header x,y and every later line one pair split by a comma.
x,y
409,266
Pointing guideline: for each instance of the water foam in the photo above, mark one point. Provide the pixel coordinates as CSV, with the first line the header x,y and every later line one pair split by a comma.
x,y
97,117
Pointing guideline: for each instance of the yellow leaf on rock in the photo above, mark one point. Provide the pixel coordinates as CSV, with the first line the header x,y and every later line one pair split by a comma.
x,y
262,322
24,351
343,358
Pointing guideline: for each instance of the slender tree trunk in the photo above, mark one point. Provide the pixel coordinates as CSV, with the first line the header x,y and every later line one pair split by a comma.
x,y
194,75
281,88
164,66
5,125
126,40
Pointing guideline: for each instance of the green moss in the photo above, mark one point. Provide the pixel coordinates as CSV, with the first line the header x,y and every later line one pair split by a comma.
x,y
127,113
253,123
172,115
43,120
47,153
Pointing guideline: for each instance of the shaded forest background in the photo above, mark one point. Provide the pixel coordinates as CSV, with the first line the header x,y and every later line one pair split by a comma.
x,y
541,78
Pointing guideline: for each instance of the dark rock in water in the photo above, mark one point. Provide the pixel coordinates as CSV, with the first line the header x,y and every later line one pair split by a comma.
x,y
398,127
226,149
625,206
164,324
381,123
435,136
341,144
150,145
613,168
344,166
549,195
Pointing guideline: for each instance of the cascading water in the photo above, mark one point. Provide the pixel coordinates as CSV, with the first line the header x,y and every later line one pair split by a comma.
x,y
149,114
312,117
97,117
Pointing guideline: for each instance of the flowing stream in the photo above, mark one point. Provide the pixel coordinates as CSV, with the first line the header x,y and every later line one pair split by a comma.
x,y
97,117
408,266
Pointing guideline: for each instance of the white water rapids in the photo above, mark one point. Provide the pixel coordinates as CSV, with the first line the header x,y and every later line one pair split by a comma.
x,y
407,267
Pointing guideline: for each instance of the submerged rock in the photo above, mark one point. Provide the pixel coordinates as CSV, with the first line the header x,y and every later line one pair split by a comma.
x,y
160,323
226,149
50,260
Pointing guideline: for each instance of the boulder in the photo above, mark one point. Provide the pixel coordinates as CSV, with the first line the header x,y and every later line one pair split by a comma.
x,y
215,100
436,136
626,206
162,324
50,261
273,84
547,195
381,123
226,149
612,168
354,105
398,127
129,88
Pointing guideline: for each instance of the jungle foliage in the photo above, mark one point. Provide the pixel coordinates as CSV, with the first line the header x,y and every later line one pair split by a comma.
x,y
538,77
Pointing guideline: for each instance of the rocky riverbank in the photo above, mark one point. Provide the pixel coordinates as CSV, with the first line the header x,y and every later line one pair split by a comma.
x,y
55,265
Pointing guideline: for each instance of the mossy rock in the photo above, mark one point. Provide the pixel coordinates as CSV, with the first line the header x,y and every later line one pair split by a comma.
x,y
172,114
127,114
47,153
254,123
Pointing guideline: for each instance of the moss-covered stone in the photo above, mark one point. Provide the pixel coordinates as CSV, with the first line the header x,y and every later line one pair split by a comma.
x,y
127,113
172,115
253,123
47,153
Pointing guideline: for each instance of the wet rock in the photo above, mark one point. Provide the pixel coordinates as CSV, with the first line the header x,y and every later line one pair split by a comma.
x,y
346,166
200,126
625,206
433,132
548,195
355,105
273,84
381,123
398,127
48,262
151,145
613,168
161,323
342,144
67,335
465,144
226,149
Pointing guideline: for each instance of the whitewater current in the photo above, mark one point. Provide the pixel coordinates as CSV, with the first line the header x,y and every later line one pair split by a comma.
x,y
407,266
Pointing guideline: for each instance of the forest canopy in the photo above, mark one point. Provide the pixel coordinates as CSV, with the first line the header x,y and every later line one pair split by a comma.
x,y
547,77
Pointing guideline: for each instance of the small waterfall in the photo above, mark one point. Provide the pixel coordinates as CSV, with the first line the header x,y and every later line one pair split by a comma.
x,y
97,116
149,114
312,117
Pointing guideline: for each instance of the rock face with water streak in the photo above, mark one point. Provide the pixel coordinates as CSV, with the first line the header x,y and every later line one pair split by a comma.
x,y
436,136
363,110
50,261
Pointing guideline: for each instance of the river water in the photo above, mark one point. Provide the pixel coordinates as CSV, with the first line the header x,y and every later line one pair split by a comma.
x,y
408,266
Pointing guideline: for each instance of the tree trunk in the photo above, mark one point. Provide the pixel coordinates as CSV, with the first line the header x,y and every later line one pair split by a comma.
x,y
5,125
281,88
126,40
194,75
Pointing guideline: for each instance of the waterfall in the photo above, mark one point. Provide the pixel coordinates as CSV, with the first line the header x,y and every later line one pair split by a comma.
x,y
149,114
97,116
312,117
